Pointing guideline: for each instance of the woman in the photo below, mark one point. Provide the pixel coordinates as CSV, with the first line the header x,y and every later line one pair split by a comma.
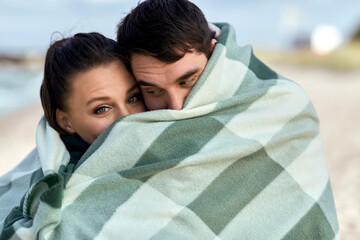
x,y
86,87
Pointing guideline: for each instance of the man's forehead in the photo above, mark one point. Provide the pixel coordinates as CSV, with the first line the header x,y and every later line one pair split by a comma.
x,y
148,68
140,61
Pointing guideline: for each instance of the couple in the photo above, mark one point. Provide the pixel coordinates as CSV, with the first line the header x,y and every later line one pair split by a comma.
x,y
228,150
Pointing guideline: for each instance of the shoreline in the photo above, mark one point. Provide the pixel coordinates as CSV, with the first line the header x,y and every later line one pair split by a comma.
x,y
30,63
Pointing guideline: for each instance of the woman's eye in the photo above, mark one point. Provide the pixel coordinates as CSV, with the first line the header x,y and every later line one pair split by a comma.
x,y
134,98
101,110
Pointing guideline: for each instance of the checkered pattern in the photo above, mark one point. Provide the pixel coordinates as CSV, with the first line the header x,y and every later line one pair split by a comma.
x,y
242,160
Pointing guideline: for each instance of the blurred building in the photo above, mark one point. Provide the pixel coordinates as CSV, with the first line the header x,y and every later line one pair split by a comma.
x,y
325,39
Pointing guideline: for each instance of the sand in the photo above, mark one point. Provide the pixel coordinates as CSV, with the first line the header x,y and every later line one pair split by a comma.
x,y
335,95
17,136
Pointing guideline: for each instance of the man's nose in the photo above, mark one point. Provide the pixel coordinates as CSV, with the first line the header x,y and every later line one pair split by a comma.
x,y
176,100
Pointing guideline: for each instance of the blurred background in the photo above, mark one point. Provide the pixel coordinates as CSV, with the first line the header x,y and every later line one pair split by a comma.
x,y
313,42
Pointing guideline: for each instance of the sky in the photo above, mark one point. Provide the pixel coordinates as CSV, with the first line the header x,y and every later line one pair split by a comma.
x,y
30,26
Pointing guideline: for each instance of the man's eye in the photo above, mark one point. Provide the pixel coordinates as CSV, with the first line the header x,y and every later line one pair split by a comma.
x,y
134,98
152,91
101,110
186,82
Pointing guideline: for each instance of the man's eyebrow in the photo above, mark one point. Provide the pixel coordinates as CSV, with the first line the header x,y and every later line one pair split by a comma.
x,y
187,75
144,83
182,77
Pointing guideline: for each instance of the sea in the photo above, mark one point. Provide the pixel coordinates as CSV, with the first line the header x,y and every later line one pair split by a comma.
x,y
19,88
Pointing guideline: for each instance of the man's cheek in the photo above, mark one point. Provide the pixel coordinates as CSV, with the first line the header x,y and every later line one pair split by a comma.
x,y
149,102
153,104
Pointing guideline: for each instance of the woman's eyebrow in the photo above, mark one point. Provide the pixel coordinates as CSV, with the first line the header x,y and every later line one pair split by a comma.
x,y
132,88
97,99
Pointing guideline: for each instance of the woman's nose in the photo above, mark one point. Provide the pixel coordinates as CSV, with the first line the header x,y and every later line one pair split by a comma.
x,y
123,111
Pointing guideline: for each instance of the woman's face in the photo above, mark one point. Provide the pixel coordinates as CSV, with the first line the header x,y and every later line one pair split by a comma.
x,y
98,97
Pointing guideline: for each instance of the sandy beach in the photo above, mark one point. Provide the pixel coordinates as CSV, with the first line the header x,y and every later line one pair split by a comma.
x,y
335,95
18,135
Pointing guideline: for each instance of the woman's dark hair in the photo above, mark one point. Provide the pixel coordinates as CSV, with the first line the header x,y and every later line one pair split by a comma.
x,y
64,59
164,29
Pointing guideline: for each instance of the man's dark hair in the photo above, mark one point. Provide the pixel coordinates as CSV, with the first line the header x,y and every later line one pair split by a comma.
x,y
64,59
165,30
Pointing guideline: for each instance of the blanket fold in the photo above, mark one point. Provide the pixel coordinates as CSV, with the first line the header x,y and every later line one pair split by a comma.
x,y
243,159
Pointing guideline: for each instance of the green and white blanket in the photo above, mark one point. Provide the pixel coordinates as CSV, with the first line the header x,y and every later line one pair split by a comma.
x,y
242,160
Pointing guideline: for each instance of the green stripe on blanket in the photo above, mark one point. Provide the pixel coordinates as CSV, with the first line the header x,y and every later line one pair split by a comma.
x,y
243,159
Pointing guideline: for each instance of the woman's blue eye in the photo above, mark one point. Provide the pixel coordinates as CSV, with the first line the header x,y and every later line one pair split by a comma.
x,y
134,98
101,109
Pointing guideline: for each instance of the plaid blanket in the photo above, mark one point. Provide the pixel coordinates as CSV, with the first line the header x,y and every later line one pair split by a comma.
x,y
242,160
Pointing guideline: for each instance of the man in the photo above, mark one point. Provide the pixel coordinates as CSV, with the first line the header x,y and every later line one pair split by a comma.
x,y
168,51
171,51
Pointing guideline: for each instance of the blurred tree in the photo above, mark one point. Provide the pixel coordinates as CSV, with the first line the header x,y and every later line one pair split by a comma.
x,y
356,37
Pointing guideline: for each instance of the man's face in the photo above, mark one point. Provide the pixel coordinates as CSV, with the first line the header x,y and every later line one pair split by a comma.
x,y
167,85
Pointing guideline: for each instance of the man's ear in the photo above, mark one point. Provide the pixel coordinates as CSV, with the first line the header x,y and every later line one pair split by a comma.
x,y
63,121
213,44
